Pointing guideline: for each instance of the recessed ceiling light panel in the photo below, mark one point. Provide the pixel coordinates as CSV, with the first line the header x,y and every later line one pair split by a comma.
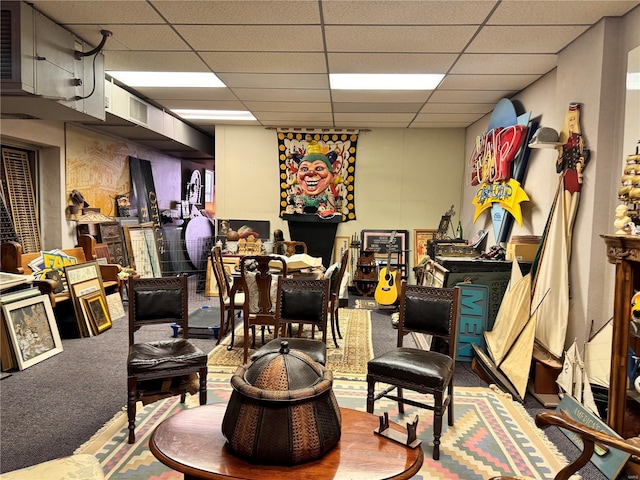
x,y
168,79
385,81
194,114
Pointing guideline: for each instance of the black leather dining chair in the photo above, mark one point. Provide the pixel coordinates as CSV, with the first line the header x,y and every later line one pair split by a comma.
x,y
432,311
164,367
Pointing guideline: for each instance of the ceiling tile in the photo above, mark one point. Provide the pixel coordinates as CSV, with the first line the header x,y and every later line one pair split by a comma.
x,y
310,107
448,117
274,80
253,38
487,82
265,62
96,13
505,64
138,37
373,117
153,61
407,13
282,95
458,108
294,116
276,12
390,62
573,12
421,39
469,96
376,107
549,39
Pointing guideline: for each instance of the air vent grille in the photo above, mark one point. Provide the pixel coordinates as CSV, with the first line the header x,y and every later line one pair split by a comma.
x,y
6,64
137,111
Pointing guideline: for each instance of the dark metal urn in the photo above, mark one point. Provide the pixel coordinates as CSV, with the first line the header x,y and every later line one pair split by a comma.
x,y
282,409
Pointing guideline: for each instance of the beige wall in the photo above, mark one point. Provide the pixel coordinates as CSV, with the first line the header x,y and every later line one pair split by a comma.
x,y
590,71
405,179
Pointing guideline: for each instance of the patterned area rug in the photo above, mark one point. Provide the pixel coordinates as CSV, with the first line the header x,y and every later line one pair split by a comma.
x,y
365,304
349,360
492,436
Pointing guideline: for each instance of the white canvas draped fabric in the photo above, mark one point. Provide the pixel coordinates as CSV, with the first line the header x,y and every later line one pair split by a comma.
x,y
510,342
512,315
574,380
517,363
550,296
597,356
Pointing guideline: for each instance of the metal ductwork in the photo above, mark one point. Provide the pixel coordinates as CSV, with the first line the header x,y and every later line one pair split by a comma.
x,y
42,77
48,73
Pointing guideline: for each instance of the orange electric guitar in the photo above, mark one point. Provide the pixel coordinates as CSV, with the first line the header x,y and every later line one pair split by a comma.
x,y
387,290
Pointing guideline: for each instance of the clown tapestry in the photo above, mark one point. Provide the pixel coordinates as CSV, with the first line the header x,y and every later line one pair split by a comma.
x,y
317,172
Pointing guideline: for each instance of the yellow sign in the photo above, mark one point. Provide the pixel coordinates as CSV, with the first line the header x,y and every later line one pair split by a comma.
x,y
57,261
508,195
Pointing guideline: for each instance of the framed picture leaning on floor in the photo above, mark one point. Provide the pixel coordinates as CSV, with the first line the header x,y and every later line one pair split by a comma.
x,y
32,329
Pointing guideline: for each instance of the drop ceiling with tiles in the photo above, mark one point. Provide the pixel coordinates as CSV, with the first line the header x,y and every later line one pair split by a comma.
x,y
275,57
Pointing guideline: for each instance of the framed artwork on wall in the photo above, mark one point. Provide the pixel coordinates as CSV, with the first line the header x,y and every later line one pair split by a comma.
x,y
420,239
33,330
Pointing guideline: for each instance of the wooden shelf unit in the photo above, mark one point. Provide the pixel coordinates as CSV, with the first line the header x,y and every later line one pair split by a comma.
x,y
624,404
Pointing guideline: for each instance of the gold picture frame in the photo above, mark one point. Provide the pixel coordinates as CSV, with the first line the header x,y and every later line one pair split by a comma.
x,y
421,238
84,279
98,313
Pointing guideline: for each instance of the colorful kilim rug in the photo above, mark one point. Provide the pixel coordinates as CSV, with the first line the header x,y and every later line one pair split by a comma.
x,y
491,436
349,360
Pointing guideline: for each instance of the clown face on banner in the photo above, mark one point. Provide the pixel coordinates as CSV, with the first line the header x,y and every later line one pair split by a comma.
x,y
317,173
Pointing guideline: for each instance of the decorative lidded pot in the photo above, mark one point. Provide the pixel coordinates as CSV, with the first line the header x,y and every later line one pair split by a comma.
x,y
282,409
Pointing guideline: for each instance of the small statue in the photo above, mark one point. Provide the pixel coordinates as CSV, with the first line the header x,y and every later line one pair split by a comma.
x,y
623,221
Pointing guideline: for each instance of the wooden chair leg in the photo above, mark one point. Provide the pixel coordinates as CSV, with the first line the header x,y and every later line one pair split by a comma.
x,y
132,385
450,406
333,327
371,388
203,385
400,404
223,328
437,424
232,325
246,341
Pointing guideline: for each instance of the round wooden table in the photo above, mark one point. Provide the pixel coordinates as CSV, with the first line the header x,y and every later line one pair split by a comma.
x,y
192,443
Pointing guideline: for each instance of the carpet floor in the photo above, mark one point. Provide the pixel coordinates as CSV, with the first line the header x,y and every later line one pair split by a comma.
x,y
350,358
492,435
51,408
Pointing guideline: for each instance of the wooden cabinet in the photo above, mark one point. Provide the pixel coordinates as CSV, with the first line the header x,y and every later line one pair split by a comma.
x,y
624,402
495,274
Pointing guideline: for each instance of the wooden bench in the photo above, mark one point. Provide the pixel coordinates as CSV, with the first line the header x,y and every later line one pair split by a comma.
x,y
12,260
